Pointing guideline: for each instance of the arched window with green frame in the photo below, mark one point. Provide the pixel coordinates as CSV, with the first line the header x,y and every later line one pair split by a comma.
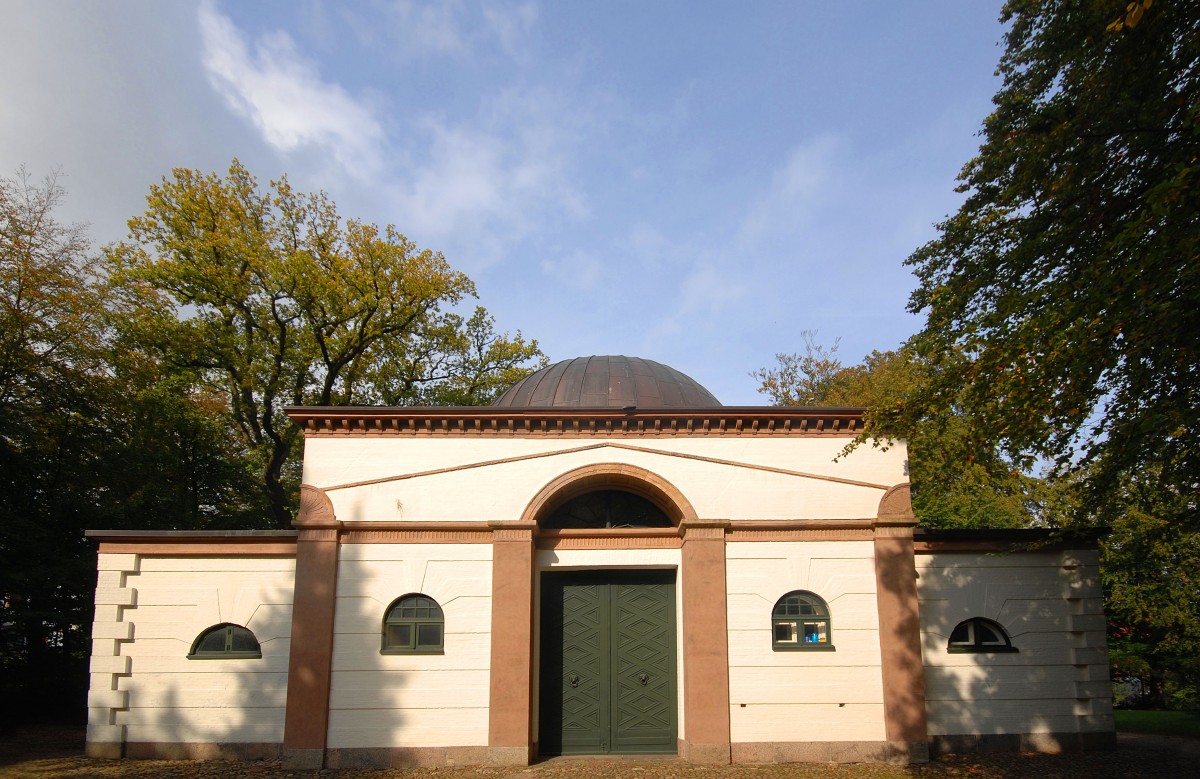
x,y
801,621
413,625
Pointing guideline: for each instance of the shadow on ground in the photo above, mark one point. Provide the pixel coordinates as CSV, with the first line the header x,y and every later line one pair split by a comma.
x,y
41,753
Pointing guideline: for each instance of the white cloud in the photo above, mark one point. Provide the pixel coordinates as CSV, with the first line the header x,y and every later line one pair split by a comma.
x,y
283,94
580,270
113,95
472,182
796,189
489,181
510,24
707,293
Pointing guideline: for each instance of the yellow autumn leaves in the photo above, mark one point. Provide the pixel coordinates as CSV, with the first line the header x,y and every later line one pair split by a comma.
x,y
1132,16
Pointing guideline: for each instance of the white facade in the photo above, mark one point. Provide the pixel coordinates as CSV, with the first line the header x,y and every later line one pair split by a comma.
x,y
381,700
448,503
800,696
1049,604
149,610
431,479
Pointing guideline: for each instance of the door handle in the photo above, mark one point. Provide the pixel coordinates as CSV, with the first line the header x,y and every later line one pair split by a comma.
x,y
644,679
574,680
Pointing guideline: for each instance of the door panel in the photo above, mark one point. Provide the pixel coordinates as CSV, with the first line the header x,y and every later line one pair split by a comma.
x,y
607,681
643,663
584,697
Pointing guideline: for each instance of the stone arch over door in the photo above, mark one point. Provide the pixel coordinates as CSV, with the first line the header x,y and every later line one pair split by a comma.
x,y
703,646
628,682
611,476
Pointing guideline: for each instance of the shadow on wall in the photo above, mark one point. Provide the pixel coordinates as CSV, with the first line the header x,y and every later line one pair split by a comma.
x,y
426,700
384,709
366,698
1052,693
205,707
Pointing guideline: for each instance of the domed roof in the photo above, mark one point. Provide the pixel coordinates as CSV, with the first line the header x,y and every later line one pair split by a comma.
x,y
607,382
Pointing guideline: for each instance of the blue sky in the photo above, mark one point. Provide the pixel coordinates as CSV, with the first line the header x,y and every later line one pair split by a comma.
x,y
691,182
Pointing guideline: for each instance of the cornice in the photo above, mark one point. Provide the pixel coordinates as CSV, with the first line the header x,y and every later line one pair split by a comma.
x,y
196,543
486,421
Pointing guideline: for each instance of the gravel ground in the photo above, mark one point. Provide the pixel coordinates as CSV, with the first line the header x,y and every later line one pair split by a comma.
x,y
56,752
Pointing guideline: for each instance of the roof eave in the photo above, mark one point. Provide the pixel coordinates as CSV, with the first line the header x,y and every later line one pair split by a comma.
x,y
447,419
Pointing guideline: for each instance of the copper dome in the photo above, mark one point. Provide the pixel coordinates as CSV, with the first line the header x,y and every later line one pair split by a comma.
x,y
607,382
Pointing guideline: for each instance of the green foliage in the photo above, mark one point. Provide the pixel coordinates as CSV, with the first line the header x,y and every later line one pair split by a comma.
x,y
269,299
144,390
955,484
1151,570
1162,723
1063,298
1063,303
91,435
182,466
50,312
50,345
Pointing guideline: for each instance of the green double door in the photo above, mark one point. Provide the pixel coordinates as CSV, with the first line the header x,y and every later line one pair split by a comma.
x,y
607,683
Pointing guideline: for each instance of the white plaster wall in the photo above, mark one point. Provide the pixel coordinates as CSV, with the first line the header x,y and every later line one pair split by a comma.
x,y
381,700
502,490
140,661
804,696
1050,605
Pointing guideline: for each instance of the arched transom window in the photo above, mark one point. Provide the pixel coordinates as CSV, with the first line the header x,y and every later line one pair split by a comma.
x,y
800,620
606,509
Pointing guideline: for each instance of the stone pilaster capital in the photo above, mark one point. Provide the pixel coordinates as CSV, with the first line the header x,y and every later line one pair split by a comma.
x,y
895,507
315,514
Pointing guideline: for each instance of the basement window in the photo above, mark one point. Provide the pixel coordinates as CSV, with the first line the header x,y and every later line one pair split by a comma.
x,y
225,642
979,635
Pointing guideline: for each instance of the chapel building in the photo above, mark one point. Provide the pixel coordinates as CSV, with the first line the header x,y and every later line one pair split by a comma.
x,y
604,561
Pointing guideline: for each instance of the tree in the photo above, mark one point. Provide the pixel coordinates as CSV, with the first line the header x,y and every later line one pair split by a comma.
x,y
1150,565
50,317
954,483
171,459
1063,298
92,435
808,378
51,345
272,299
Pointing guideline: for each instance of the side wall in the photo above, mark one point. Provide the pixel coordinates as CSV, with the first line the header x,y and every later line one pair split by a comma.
x,y
411,701
147,694
804,705
1054,692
